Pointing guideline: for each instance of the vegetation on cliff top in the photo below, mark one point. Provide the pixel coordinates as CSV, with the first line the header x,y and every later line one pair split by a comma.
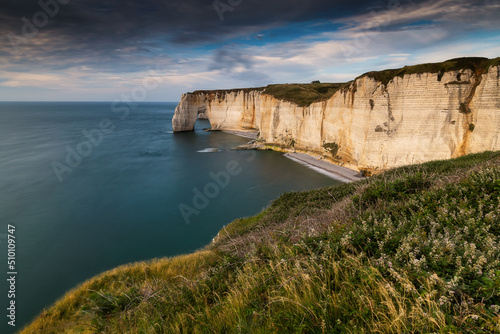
x,y
413,250
301,94
305,94
472,63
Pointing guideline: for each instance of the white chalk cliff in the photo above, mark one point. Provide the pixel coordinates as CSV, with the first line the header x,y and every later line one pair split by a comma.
x,y
411,119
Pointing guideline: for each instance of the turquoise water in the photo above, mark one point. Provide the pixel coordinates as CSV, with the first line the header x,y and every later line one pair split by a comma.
x,y
82,204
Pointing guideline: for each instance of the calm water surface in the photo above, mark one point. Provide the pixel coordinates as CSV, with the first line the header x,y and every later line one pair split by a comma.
x,y
118,200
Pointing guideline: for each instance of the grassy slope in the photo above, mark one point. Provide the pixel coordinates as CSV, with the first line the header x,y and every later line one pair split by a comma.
x,y
413,250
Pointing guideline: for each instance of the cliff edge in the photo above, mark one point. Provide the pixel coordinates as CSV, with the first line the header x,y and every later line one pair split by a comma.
x,y
378,121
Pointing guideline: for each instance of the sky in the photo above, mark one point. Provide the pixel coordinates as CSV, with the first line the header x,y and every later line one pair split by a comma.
x,y
155,50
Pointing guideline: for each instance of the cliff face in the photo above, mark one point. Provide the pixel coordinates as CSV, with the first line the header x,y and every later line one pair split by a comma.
x,y
411,119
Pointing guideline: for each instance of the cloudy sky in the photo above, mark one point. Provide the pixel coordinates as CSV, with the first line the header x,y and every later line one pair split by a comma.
x,y
90,50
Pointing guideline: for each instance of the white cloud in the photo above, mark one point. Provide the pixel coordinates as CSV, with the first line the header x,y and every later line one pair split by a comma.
x,y
459,13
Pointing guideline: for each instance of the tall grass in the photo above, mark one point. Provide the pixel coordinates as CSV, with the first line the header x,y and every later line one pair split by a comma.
x,y
415,250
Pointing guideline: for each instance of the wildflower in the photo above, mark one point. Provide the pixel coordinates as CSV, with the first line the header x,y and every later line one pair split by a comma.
x,y
495,308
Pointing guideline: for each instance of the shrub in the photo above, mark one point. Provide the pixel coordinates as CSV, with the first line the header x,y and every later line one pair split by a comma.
x,y
333,148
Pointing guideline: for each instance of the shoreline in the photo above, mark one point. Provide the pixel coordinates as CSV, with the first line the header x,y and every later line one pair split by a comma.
x,y
329,169
336,172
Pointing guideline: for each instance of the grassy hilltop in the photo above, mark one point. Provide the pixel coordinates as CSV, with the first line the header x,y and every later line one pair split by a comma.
x,y
478,65
414,250
302,94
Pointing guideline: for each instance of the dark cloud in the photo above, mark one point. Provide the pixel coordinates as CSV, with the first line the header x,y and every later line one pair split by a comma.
x,y
237,63
98,31
229,58
120,32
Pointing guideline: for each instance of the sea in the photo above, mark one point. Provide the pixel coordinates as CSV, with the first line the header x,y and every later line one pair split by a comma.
x,y
88,186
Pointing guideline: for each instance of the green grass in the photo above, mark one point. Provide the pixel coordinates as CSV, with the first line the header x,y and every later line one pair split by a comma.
x,y
289,206
472,63
303,94
413,250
